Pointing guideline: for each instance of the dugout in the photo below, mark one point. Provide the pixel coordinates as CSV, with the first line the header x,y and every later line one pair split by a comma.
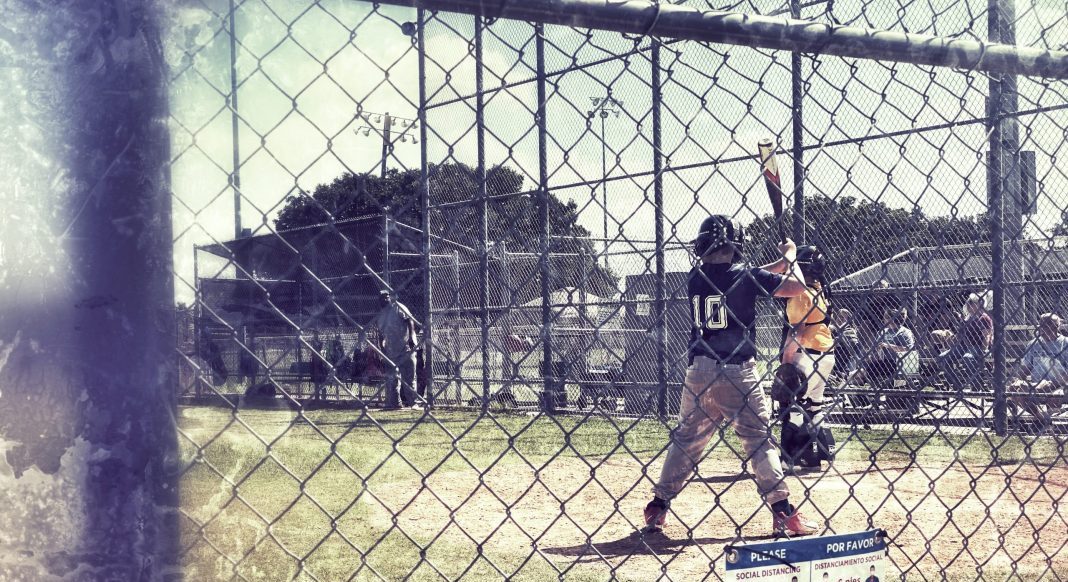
x,y
932,283
276,296
320,276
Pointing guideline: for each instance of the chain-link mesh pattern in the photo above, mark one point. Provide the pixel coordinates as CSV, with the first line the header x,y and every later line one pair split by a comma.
x,y
529,193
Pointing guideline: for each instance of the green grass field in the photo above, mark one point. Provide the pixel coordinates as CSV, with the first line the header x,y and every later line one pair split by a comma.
x,y
367,495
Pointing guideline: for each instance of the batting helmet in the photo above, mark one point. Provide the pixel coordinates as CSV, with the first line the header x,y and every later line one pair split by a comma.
x,y
811,261
718,231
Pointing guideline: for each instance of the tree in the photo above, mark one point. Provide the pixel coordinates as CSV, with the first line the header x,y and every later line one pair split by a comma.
x,y
1062,228
854,235
513,220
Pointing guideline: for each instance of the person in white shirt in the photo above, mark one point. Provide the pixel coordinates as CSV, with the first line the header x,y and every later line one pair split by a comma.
x,y
1043,370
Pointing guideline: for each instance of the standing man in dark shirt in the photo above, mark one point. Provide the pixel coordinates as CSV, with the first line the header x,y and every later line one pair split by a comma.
x,y
721,381
397,337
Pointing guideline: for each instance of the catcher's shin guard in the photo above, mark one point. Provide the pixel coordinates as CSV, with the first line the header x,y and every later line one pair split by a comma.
x,y
825,444
796,440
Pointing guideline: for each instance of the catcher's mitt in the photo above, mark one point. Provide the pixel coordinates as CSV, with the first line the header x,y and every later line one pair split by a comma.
x,y
787,385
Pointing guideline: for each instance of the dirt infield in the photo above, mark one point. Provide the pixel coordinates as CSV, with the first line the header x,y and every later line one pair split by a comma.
x,y
569,515
339,495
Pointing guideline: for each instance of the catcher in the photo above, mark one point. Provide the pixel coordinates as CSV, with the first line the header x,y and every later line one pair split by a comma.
x,y
807,362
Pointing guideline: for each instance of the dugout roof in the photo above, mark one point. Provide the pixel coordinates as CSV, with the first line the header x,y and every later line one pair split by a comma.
x,y
940,267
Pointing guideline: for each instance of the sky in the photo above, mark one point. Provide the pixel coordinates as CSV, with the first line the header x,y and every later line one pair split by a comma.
x,y
304,71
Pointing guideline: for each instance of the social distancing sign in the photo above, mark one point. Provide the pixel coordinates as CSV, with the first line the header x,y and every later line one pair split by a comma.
x,y
856,557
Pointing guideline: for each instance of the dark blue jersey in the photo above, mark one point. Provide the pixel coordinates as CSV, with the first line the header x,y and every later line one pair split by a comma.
x,y
723,309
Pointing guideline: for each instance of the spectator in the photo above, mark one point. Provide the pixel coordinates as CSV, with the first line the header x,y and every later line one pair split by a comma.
x,y
397,332
883,360
846,343
1043,370
879,300
318,366
969,345
209,351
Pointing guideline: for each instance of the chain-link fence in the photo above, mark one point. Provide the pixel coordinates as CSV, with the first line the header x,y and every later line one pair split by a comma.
x,y
525,180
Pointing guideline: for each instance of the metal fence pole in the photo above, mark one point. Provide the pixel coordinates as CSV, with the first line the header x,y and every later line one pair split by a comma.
x,y
658,210
1006,217
424,186
483,194
198,299
746,29
87,406
387,268
235,174
508,373
455,365
997,259
797,95
548,374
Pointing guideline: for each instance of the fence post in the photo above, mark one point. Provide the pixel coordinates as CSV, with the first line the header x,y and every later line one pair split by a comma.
x,y
660,309
87,407
424,186
508,373
1004,195
197,313
386,267
584,282
797,95
548,375
235,134
997,280
483,196
456,366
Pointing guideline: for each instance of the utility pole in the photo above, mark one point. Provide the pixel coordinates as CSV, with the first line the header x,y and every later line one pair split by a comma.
x,y
603,107
383,124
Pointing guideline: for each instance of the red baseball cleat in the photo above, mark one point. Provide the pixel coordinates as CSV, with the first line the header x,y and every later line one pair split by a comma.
x,y
655,515
793,525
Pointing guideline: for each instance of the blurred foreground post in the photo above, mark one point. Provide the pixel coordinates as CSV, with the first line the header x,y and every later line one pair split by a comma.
x,y
88,445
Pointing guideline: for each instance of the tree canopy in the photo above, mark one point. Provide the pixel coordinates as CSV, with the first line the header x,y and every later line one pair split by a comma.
x,y
455,191
1062,228
855,234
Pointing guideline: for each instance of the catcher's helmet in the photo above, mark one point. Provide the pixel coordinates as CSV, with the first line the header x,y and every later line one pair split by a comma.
x,y
811,261
718,231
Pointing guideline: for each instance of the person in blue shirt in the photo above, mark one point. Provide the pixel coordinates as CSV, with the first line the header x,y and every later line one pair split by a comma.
x,y
721,385
893,342
1043,370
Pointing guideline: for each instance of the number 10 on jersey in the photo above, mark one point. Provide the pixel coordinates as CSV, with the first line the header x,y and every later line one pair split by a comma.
x,y
712,316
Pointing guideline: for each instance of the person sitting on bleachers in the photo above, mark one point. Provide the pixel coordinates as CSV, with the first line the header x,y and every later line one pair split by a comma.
x,y
968,346
1043,371
883,360
846,343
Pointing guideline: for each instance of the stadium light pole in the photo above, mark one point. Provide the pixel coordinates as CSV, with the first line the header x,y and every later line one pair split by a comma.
x,y
383,124
603,107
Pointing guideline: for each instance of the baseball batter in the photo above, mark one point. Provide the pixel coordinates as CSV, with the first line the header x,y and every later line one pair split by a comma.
x,y
721,381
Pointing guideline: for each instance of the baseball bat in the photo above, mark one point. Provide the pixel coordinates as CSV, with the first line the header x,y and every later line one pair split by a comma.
x,y
770,169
